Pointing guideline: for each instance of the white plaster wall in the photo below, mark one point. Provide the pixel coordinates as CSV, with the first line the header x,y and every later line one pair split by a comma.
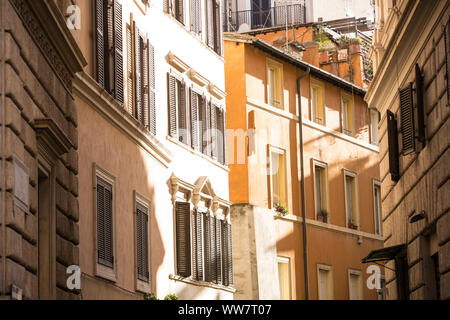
x,y
338,9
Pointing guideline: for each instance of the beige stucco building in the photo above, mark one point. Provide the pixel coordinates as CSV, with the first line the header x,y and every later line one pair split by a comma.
x,y
411,91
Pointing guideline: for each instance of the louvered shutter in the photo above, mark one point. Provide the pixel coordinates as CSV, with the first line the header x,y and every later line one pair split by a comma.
x,y
100,42
104,223
210,23
407,119
217,28
138,49
225,140
207,246
447,59
213,131
118,52
198,245
130,80
194,119
219,136
142,242
204,118
225,253
228,254
219,251
213,249
152,97
183,134
393,146
179,10
420,107
172,105
109,50
183,238
145,85
196,22
167,5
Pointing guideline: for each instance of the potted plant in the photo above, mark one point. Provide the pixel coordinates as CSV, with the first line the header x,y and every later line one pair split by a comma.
x,y
281,210
322,215
352,225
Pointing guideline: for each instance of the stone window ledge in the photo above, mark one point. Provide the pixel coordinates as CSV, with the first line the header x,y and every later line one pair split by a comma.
x,y
202,283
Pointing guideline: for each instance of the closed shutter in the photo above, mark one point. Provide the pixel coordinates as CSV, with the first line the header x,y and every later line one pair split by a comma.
x,y
138,49
196,22
204,117
198,245
219,137
229,254
100,42
407,119
142,242
447,59
213,110
219,251
210,23
420,107
217,29
152,97
145,85
194,118
183,238
393,146
179,10
104,223
213,249
118,52
225,253
183,132
167,5
109,49
207,245
130,76
172,105
225,140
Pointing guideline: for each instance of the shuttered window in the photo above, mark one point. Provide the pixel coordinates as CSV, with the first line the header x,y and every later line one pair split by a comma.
x,y
206,124
104,223
195,105
109,47
447,59
212,249
179,118
213,26
394,169
196,18
227,255
219,251
407,119
183,238
198,245
207,246
420,108
175,8
142,242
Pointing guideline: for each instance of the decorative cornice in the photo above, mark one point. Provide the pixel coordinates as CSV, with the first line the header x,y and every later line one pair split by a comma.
x,y
217,92
198,78
177,63
51,140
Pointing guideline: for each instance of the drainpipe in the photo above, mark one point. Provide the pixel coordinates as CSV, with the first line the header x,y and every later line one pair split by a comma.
x,y
302,184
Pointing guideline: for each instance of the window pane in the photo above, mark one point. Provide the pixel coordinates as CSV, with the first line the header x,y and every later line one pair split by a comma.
x,y
283,276
318,189
275,179
377,204
323,285
374,126
349,197
354,287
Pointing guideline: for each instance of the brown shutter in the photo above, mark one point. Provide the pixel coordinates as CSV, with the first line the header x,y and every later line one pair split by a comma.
x,y
196,22
179,10
198,247
118,52
152,97
213,131
109,49
447,59
225,140
393,146
219,136
145,85
219,251
194,118
142,242
183,134
420,107
213,249
167,5
138,49
407,119
217,29
100,41
210,23
207,245
172,104
183,238
130,76
204,118
228,265
104,223
225,253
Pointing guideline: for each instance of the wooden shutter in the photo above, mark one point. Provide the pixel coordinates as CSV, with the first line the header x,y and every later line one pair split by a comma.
x,y
104,223
138,49
219,137
109,48
217,28
172,104
227,254
198,245
130,76
420,107
219,251
152,97
196,22
213,249
194,110
179,10
100,41
142,242
207,245
167,5
210,23
183,238
145,84
447,59
204,118
407,119
213,131
225,141
183,134
393,146
118,52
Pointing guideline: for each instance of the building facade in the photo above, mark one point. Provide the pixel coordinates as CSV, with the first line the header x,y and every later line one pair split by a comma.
x,y
411,91
304,179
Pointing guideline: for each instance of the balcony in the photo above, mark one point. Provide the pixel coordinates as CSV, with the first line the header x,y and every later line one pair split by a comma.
x,y
242,21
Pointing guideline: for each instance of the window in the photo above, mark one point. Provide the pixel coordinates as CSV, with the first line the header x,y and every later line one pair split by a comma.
x,y
317,103
284,278
377,206
394,166
104,203
382,293
355,289
325,282
109,47
141,78
142,239
374,120
196,17
351,200
274,83
348,119
321,190
175,8
278,185
213,26
447,58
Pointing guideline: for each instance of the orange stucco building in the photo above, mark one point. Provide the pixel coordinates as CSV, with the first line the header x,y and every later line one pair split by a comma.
x,y
266,154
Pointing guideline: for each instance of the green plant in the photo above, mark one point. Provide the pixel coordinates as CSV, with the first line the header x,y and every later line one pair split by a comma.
x,y
281,210
323,213
150,296
322,38
344,42
171,297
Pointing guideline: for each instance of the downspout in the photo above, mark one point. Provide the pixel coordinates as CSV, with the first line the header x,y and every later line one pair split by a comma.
x,y
302,184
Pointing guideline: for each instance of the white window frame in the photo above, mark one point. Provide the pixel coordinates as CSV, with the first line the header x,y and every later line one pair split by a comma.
x,y
278,67
373,127
356,207
286,260
324,166
350,99
101,270
330,280
142,286
358,273
273,149
318,85
377,183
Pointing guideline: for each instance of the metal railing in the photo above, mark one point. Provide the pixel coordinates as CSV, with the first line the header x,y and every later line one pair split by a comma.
x,y
273,17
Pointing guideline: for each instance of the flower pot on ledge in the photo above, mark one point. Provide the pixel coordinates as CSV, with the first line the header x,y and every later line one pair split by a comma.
x,y
322,219
352,226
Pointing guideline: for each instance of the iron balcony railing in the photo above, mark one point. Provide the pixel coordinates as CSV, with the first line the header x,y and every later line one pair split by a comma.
x,y
273,17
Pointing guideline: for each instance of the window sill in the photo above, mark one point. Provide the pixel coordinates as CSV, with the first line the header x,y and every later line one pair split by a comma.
x,y
197,153
105,273
202,283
